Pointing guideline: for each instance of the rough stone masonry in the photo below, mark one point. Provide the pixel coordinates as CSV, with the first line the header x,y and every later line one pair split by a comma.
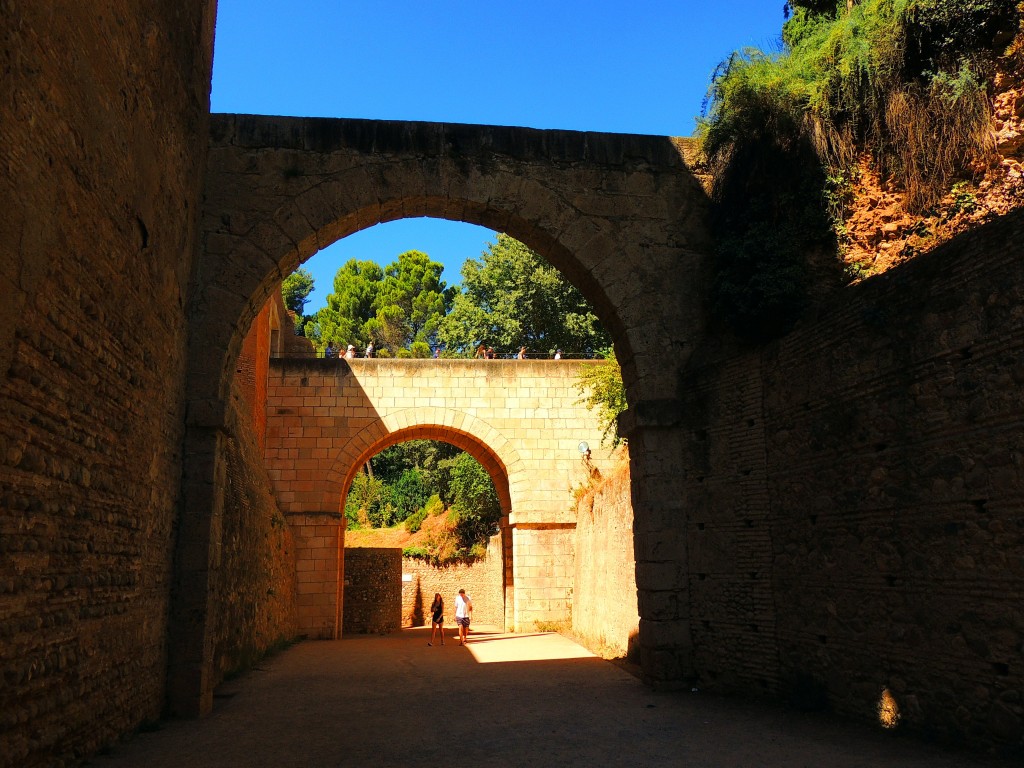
x,y
821,518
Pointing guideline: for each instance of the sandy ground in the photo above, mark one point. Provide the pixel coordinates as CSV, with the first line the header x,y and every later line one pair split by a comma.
x,y
502,700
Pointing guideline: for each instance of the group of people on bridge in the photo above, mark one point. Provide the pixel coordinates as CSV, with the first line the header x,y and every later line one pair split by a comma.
x,y
350,352
483,352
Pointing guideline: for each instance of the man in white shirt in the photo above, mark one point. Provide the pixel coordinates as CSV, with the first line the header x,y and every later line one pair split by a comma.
x,y
463,609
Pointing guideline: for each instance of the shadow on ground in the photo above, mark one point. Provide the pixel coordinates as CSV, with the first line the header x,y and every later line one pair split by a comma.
x,y
504,700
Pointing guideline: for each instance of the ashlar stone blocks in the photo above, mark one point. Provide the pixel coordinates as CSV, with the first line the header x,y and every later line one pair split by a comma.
x,y
523,420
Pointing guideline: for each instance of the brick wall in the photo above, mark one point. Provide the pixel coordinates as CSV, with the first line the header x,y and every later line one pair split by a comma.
x,y
319,538
272,334
857,500
604,602
482,580
102,145
251,373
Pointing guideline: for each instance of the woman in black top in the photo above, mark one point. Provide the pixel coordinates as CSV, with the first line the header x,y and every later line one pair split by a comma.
x,y
437,618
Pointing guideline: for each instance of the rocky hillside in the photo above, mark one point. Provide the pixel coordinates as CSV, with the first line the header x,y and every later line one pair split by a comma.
x,y
880,233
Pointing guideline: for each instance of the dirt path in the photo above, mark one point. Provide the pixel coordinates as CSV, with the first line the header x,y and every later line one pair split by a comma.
x,y
504,700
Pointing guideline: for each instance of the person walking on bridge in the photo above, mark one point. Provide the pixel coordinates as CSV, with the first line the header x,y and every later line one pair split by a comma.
x,y
463,610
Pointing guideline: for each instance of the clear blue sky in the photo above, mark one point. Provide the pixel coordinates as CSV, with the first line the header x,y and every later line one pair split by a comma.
x,y
632,66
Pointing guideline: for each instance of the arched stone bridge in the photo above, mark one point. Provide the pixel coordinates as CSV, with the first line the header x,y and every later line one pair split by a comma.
x,y
622,217
522,420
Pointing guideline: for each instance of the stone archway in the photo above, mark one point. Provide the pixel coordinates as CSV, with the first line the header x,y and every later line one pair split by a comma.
x,y
377,437
522,420
358,451
622,217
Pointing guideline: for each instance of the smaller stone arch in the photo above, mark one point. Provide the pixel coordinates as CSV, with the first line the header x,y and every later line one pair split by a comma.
x,y
498,457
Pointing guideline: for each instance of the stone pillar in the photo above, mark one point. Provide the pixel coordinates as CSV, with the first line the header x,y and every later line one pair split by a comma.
x,y
508,574
190,635
658,447
320,572
543,569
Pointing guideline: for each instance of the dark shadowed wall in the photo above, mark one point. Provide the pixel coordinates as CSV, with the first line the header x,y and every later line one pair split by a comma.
x,y
858,500
103,113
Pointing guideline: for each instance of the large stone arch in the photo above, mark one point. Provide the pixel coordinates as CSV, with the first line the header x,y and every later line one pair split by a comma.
x,y
623,217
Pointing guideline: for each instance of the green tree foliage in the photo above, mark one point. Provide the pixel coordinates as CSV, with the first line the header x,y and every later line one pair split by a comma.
x,y
602,389
429,457
511,297
812,7
905,79
411,303
396,307
349,306
434,506
365,495
295,290
420,478
409,494
474,501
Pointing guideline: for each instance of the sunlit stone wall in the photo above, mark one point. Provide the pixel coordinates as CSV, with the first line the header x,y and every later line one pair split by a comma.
x,y
523,420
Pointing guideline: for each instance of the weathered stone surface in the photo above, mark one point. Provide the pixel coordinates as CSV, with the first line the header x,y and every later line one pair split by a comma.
x,y
102,122
373,591
856,507
483,581
604,604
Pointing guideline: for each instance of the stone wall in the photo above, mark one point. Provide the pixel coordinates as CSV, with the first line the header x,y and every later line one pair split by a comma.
x,y
255,590
272,335
103,111
373,591
251,373
544,564
604,606
857,497
482,580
